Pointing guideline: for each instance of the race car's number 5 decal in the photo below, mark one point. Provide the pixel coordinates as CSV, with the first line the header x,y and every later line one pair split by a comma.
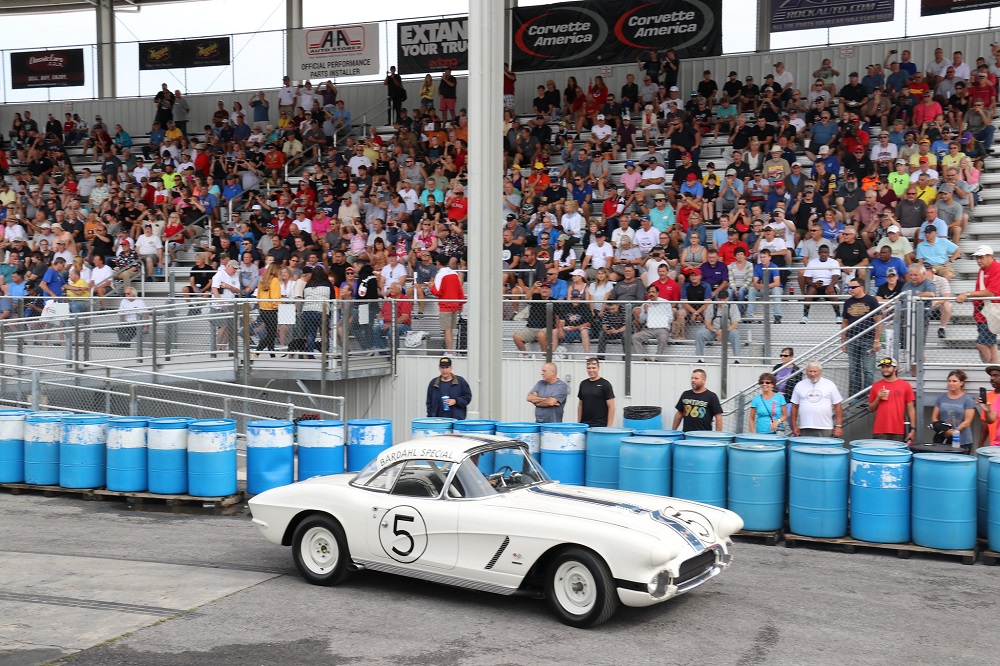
x,y
398,532
403,534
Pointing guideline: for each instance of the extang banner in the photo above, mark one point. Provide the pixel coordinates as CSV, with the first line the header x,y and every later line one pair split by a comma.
x,y
605,32
432,46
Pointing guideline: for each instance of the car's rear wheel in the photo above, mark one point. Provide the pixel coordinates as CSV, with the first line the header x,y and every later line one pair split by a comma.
x,y
319,547
579,588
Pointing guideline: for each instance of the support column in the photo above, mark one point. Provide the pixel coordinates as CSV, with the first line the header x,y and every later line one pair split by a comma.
x,y
763,26
293,21
107,74
486,37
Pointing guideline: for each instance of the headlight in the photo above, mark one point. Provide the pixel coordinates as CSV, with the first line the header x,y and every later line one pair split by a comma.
x,y
653,585
657,587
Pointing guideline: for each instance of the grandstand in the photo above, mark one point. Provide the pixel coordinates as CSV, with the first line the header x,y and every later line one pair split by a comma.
x,y
957,348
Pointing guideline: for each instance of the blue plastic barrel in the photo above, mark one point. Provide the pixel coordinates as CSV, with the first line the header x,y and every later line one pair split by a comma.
x,y
522,431
983,456
817,490
993,505
42,434
427,427
672,435
601,465
212,458
270,455
564,451
944,501
83,451
12,445
878,444
699,471
487,461
711,435
880,492
128,457
321,448
761,438
366,438
644,464
652,422
756,490
820,441
166,456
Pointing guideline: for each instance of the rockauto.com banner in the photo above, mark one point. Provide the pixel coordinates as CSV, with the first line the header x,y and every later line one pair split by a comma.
x,y
933,7
431,46
46,69
342,50
185,53
572,34
806,14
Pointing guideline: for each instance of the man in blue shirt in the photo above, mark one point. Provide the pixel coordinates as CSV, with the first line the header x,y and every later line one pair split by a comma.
x,y
156,137
937,251
233,191
714,273
52,282
260,107
882,263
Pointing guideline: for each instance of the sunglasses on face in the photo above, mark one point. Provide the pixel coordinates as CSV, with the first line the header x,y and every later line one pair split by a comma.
x,y
786,356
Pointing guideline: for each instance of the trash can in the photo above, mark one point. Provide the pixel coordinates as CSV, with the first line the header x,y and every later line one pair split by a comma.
x,y
640,417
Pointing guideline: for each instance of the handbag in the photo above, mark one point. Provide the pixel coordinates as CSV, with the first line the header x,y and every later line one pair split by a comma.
x,y
991,311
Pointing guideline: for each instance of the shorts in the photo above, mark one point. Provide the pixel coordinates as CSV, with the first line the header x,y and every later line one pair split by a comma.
x,y
449,320
986,336
530,334
508,101
447,104
572,336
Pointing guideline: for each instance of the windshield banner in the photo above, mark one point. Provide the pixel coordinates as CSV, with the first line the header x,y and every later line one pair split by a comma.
x,y
572,34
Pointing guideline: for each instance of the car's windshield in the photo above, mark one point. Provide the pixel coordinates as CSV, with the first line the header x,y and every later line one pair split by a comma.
x,y
511,469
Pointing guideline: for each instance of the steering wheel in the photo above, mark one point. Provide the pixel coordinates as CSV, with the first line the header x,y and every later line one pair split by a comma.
x,y
504,467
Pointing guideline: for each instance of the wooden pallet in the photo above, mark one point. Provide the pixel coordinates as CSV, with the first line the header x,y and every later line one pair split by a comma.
x,y
140,501
902,550
770,538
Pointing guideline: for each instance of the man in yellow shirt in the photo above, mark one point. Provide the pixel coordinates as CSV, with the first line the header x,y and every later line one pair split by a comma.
x,y
925,191
173,132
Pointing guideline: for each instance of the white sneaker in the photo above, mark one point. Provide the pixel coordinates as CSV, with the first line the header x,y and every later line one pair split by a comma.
x,y
840,320
804,320
561,350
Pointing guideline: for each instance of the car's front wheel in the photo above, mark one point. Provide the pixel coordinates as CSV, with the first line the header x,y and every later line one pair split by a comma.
x,y
319,547
579,588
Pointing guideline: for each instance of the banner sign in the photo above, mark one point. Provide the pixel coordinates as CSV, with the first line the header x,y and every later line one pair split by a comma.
x,y
807,14
934,7
431,46
46,69
184,53
599,32
343,50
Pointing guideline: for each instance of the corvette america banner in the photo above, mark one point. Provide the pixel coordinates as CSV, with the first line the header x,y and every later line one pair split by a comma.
x,y
571,34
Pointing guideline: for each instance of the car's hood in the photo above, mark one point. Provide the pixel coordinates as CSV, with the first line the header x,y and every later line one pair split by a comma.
x,y
647,513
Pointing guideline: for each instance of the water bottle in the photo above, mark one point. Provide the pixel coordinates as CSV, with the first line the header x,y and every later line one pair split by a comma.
x,y
444,401
956,439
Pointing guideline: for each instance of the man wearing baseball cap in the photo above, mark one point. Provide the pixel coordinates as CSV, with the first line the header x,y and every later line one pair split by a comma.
x,y
894,404
987,286
448,395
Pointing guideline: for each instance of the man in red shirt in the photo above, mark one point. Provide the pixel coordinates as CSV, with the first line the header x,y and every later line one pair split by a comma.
x,y
727,251
447,287
892,399
987,285
981,88
404,312
458,207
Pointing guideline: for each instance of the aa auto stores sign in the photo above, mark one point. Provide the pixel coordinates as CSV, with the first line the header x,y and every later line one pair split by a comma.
x,y
601,32
336,51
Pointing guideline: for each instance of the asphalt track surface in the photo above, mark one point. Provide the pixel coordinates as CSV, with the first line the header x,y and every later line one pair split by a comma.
x,y
87,584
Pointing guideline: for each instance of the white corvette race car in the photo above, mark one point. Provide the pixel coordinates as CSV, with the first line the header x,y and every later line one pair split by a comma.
x,y
425,509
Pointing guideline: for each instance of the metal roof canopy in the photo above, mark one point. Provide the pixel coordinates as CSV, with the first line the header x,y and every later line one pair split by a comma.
x,y
48,6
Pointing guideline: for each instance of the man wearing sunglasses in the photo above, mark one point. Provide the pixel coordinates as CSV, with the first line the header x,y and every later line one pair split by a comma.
x,y
861,349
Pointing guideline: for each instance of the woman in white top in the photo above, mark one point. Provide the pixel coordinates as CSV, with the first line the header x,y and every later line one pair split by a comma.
x,y
625,254
598,290
286,311
572,221
564,258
